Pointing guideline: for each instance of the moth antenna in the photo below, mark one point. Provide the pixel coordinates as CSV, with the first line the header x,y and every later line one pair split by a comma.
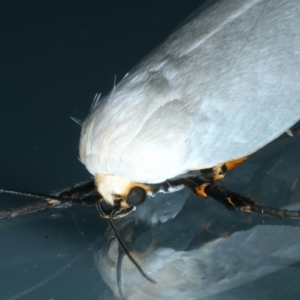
x,y
38,196
77,121
115,230
95,101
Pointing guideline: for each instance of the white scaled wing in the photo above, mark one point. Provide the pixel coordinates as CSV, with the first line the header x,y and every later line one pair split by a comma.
x,y
221,87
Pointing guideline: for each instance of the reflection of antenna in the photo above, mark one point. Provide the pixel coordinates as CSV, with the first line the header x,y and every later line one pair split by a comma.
x,y
115,230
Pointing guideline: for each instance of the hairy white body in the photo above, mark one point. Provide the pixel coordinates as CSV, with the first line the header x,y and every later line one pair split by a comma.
x,y
221,87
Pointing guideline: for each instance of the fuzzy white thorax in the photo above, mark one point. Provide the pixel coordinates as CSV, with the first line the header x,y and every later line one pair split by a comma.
x,y
110,185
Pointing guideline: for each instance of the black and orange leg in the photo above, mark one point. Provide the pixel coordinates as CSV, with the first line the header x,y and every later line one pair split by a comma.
x,y
219,172
232,200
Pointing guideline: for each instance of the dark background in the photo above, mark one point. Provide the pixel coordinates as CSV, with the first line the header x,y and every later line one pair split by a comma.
x,y
54,57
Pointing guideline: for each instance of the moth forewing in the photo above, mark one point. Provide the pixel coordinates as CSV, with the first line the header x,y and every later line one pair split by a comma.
x,y
221,87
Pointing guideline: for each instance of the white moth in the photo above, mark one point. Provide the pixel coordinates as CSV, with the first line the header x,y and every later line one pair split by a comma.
x,y
222,86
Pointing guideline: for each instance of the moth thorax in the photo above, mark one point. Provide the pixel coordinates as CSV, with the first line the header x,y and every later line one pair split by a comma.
x,y
112,187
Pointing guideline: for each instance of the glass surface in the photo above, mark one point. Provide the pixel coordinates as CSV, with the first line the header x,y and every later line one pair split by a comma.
x,y
208,252
56,57
193,248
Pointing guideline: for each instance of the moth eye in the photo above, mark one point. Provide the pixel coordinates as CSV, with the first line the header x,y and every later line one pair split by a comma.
x,y
136,196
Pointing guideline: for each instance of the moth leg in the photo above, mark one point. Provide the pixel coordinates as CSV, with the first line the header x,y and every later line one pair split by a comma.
x,y
232,200
294,131
78,194
219,171
229,199
81,193
78,191
23,210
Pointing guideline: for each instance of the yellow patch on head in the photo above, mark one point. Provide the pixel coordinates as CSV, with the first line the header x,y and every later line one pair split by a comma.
x,y
218,173
113,188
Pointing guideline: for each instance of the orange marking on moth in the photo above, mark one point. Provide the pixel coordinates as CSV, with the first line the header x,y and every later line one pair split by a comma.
x,y
230,201
246,209
200,189
116,189
124,204
218,172
230,165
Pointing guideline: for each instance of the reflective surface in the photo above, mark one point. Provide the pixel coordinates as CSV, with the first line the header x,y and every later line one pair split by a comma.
x,y
207,252
193,248
48,256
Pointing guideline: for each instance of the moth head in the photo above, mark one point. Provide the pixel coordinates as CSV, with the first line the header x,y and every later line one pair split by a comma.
x,y
120,192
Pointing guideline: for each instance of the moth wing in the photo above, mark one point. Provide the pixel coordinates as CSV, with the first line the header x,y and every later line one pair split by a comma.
x,y
221,87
